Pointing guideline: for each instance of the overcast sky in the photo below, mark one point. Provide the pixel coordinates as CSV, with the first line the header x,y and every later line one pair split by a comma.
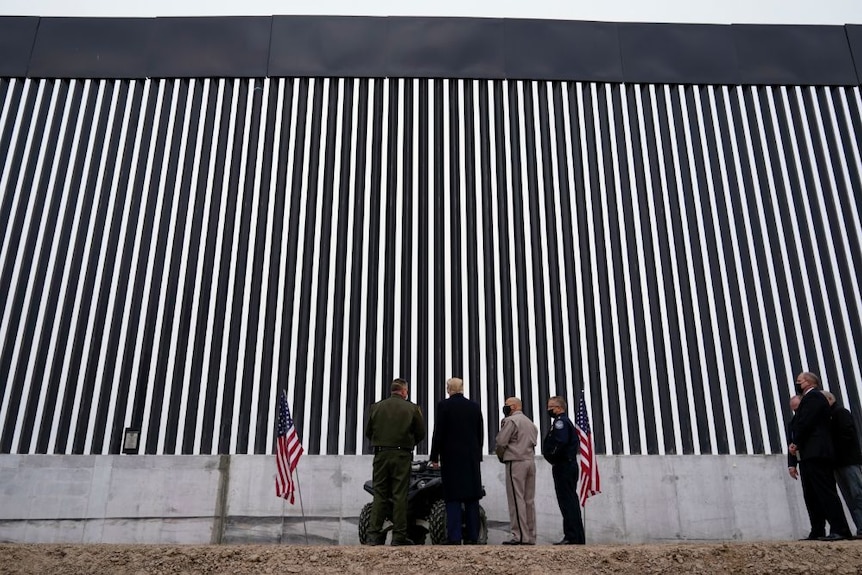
x,y
702,11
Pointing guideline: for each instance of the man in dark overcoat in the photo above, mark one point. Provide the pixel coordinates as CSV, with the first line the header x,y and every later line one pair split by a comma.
x,y
457,448
848,459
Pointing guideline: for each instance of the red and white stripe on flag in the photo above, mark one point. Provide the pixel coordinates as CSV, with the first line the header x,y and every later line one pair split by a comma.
x,y
287,452
589,481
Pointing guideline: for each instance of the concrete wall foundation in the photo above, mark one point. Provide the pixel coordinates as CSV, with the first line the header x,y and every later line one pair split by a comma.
x,y
231,499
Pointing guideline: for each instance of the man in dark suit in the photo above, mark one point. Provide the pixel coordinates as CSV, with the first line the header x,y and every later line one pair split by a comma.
x,y
817,520
812,444
457,447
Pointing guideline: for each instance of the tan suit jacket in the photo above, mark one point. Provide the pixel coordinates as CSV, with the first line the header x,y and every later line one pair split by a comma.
x,y
516,440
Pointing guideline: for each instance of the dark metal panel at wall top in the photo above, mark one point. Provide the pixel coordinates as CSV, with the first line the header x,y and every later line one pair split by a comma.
x,y
342,46
678,53
91,48
327,46
560,50
793,55
225,47
17,34
854,36
445,48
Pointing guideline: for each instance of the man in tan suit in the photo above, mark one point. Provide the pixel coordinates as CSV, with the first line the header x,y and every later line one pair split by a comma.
x,y
516,445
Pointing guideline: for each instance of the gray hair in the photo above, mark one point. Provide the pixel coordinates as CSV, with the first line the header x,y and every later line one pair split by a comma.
x,y
455,385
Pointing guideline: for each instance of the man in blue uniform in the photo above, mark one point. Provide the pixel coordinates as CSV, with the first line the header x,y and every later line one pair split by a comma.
x,y
560,449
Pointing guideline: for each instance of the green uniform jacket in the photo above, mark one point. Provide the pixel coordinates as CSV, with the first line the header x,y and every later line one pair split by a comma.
x,y
395,422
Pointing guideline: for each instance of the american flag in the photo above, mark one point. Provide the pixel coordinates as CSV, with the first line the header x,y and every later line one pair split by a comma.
x,y
589,478
287,452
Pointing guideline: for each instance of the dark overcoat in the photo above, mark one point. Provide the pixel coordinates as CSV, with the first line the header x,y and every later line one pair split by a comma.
x,y
457,444
845,440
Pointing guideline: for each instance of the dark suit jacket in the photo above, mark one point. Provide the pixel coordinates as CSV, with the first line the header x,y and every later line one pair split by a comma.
x,y
457,445
811,427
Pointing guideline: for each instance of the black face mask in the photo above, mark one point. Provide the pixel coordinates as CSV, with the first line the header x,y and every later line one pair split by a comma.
x,y
551,413
798,389
507,410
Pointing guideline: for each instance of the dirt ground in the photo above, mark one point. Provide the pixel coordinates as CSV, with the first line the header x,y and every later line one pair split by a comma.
x,y
786,558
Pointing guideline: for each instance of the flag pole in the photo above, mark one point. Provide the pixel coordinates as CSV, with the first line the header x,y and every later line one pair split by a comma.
x,y
301,506
281,533
288,450
584,506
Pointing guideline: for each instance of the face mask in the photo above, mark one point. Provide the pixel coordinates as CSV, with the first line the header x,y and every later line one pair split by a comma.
x,y
798,389
506,410
551,413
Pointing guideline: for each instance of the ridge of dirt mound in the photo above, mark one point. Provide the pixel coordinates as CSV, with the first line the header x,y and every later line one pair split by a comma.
x,y
786,557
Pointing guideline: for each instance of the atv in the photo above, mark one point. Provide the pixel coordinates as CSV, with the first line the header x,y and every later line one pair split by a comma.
x,y
426,509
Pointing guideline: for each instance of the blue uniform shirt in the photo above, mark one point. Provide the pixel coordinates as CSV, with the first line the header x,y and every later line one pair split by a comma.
x,y
561,442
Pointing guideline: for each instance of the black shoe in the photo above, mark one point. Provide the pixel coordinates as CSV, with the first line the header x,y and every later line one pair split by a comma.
x,y
814,536
451,543
834,537
372,541
565,542
470,542
397,542
511,542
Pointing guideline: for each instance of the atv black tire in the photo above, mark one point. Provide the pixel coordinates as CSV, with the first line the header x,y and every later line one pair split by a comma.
x,y
483,526
437,524
364,523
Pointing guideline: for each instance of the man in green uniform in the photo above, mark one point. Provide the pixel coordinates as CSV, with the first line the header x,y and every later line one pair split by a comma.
x,y
394,427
